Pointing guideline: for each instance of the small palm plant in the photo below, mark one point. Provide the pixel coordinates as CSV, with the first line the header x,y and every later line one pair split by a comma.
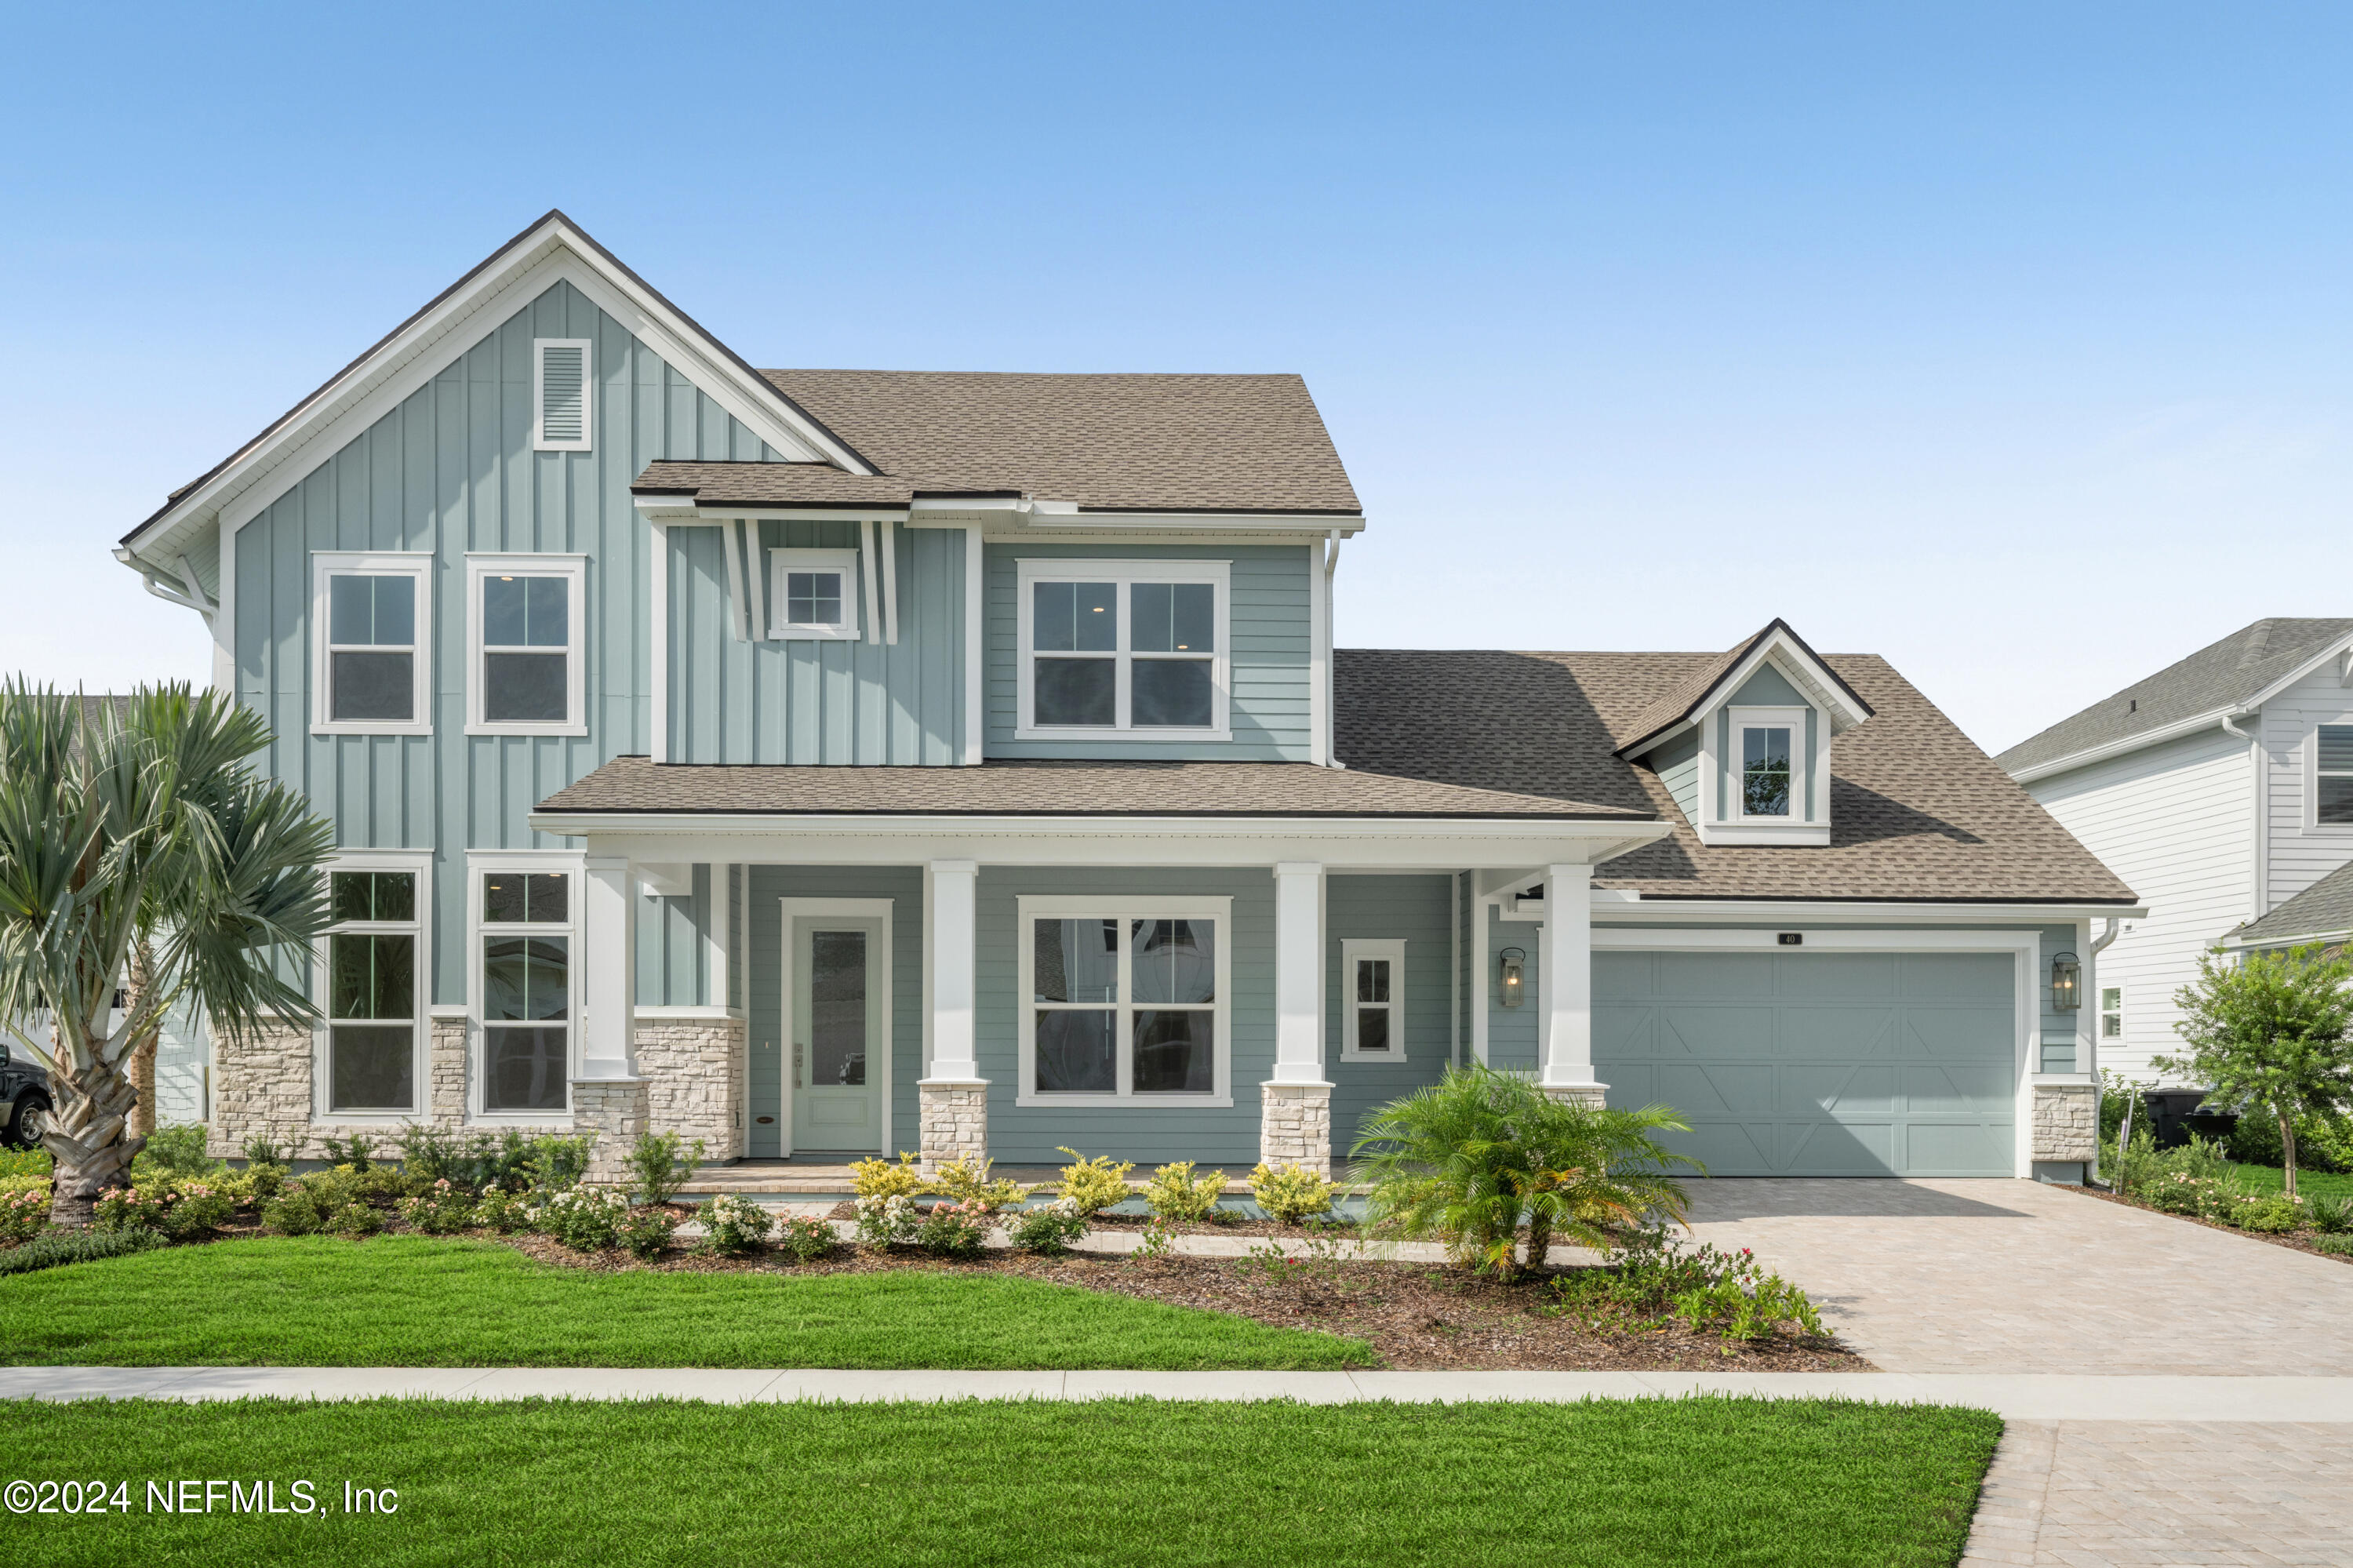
x,y
1482,1155
143,824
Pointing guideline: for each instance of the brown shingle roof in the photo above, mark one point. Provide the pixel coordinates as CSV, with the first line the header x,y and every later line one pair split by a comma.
x,y
1051,788
771,484
1917,811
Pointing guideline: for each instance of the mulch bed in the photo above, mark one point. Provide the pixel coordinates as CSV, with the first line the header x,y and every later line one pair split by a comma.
x,y
2294,1241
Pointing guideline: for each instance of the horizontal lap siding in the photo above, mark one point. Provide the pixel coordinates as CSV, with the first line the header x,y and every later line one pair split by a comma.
x,y
1416,910
1270,598
449,470
1512,1031
2302,850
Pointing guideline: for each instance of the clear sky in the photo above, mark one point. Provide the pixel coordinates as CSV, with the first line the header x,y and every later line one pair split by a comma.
x,y
2010,341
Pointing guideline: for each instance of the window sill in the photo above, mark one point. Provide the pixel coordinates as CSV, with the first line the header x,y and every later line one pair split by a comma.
x,y
1815,834
1125,1102
815,634
329,1120
527,1120
1397,1056
356,728
1133,732
574,731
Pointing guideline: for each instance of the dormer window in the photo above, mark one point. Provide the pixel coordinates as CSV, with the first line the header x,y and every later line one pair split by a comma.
x,y
1765,771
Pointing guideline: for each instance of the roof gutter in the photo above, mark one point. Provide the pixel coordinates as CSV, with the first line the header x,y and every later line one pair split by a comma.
x,y
2175,731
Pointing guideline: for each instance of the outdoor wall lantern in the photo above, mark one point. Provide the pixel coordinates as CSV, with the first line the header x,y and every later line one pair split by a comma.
x,y
2066,982
1514,961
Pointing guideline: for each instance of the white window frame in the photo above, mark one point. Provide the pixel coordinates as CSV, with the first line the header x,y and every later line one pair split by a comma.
x,y
485,863
1124,575
1353,948
416,565
574,570
539,437
1800,765
1030,908
2313,776
851,629
419,863
2112,1018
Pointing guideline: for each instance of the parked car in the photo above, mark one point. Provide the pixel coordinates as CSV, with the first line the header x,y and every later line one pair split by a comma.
x,y
24,1100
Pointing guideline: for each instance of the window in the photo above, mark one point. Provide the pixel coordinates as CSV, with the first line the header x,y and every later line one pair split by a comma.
x,y
1133,647
1127,1002
372,620
813,594
524,936
1768,765
1372,1000
2333,799
2112,1012
374,975
524,657
561,390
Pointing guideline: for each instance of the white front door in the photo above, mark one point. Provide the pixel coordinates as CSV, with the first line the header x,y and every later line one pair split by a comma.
x,y
833,1055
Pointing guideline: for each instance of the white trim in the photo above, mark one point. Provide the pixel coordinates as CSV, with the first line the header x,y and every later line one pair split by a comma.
x,y
658,637
878,985
1124,575
575,929
2311,776
420,865
541,441
2210,719
718,915
739,602
887,553
1741,720
1030,908
784,561
574,570
867,573
1454,969
1319,656
418,565
1611,906
225,622
1353,951
975,647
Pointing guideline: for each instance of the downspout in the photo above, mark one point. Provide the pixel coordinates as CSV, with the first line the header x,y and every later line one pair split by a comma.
x,y
2124,1135
2261,889
1331,689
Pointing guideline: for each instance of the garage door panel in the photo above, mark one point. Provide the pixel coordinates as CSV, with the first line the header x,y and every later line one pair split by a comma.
x,y
1956,1090
1839,1034
1961,1033
1840,1089
1620,1031
1958,977
1622,974
1718,1088
1695,977
1726,1147
1958,1149
1839,1147
1847,977
1745,1029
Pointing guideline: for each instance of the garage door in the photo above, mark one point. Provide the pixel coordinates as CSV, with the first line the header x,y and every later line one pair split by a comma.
x,y
1816,1063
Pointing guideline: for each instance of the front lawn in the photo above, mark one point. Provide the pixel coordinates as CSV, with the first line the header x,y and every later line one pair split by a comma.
x,y
418,1301
2308,1183
1616,1484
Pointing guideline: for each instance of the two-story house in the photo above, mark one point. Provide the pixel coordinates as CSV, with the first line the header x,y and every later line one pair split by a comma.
x,y
825,762
2222,788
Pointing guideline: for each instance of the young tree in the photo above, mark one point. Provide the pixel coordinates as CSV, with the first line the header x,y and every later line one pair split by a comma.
x,y
143,824
2268,1035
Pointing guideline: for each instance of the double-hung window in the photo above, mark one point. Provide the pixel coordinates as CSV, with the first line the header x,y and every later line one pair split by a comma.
x,y
1132,648
525,936
2112,1012
525,672
1768,765
814,595
371,664
2333,781
1127,1002
374,974
1372,999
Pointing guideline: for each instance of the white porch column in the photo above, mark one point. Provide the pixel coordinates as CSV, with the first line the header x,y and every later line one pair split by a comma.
x,y
1295,1102
1567,982
608,1099
953,1096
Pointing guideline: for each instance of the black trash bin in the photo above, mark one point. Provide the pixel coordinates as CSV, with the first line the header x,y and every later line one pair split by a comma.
x,y
2175,1114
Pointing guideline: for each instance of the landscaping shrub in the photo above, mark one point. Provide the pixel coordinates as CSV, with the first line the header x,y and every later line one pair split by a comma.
x,y
23,1217
1289,1193
177,1151
2322,1144
358,1221
955,1230
2330,1216
2276,1214
260,1150
53,1248
2337,1245
14,1184
732,1226
806,1238
503,1212
887,1219
442,1209
1652,1280
552,1164
1050,1228
1094,1184
179,1209
1175,1194
662,1166
887,1179
585,1219
357,1151
24,1162
298,1211
647,1233
966,1183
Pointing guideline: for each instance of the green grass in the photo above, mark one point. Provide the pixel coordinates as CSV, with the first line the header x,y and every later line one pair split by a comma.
x,y
1623,1485
2308,1183
414,1302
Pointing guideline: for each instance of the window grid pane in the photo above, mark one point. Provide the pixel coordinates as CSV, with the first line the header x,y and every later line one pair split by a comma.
x,y
1764,772
2335,743
1167,1017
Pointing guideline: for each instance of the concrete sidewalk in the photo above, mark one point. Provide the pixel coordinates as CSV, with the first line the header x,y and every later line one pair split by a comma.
x,y
2018,1397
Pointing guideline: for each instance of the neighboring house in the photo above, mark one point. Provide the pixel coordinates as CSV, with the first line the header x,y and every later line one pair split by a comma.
x,y
2222,788
825,762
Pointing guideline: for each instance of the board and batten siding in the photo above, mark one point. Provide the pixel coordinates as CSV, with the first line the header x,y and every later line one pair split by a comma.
x,y
1414,910
2302,850
1271,590
816,700
2176,822
451,469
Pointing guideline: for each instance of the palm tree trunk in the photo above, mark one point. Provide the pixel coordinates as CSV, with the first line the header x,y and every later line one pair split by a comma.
x,y
1539,1238
87,1133
142,1054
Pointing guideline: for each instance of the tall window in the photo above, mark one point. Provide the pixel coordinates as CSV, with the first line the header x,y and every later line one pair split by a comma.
x,y
2112,1012
523,615
2335,799
526,942
1768,765
373,974
1372,996
370,644
1133,646
813,595
1124,1005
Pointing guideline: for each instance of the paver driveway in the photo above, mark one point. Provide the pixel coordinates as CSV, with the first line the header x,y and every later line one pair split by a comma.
x,y
1992,1276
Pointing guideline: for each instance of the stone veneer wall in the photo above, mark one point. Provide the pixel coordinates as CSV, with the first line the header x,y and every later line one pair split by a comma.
x,y
261,1089
953,1122
1294,1126
695,1075
2066,1122
611,1113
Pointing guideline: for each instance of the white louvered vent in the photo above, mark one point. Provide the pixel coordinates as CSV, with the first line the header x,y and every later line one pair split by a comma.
x,y
560,393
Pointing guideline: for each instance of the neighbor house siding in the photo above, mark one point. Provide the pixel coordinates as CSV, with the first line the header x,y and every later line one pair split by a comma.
x,y
2175,821
449,470
1272,587
1413,909
2302,850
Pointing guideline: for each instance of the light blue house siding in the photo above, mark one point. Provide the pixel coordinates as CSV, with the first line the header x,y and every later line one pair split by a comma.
x,y
1512,1031
1677,764
1767,688
451,470
673,946
790,701
1272,607
1413,909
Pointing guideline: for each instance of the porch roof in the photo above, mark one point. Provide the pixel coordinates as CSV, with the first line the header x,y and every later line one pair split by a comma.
x,y
1150,789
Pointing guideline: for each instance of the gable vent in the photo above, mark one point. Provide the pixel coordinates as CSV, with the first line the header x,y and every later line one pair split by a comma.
x,y
560,393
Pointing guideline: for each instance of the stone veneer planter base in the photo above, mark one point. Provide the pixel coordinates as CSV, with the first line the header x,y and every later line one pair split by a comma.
x,y
1294,1126
954,1122
2066,1122
611,1112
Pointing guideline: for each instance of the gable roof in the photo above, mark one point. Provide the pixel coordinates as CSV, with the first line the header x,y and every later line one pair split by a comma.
x,y
1695,692
2322,910
2225,676
1917,811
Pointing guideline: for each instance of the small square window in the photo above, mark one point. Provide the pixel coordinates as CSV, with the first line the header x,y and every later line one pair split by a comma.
x,y
814,594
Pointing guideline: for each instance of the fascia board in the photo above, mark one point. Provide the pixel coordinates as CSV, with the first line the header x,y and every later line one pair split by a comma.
x,y
2328,655
1766,911
1057,523
2237,942
2129,744
1820,685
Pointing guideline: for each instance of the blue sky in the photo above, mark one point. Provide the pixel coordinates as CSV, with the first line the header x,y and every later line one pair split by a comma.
x,y
2008,341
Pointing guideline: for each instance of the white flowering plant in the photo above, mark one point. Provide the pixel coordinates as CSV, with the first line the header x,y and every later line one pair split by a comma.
x,y
888,1220
1048,1228
732,1226
585,1219
441,1210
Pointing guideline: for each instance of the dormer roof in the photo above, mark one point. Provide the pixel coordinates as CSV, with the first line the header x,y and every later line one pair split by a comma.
x,y
1714,683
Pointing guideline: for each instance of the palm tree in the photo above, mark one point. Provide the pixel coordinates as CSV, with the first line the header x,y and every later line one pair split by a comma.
x,y
132,824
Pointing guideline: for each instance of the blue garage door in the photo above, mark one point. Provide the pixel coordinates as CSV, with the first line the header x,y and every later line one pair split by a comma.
x,y
1816,1063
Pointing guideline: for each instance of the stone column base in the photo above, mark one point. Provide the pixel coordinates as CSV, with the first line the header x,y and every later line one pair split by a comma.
x,y
2066,1123
611,1113
1294,1126
261,1089
1591,1094
952,1121
695,1071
